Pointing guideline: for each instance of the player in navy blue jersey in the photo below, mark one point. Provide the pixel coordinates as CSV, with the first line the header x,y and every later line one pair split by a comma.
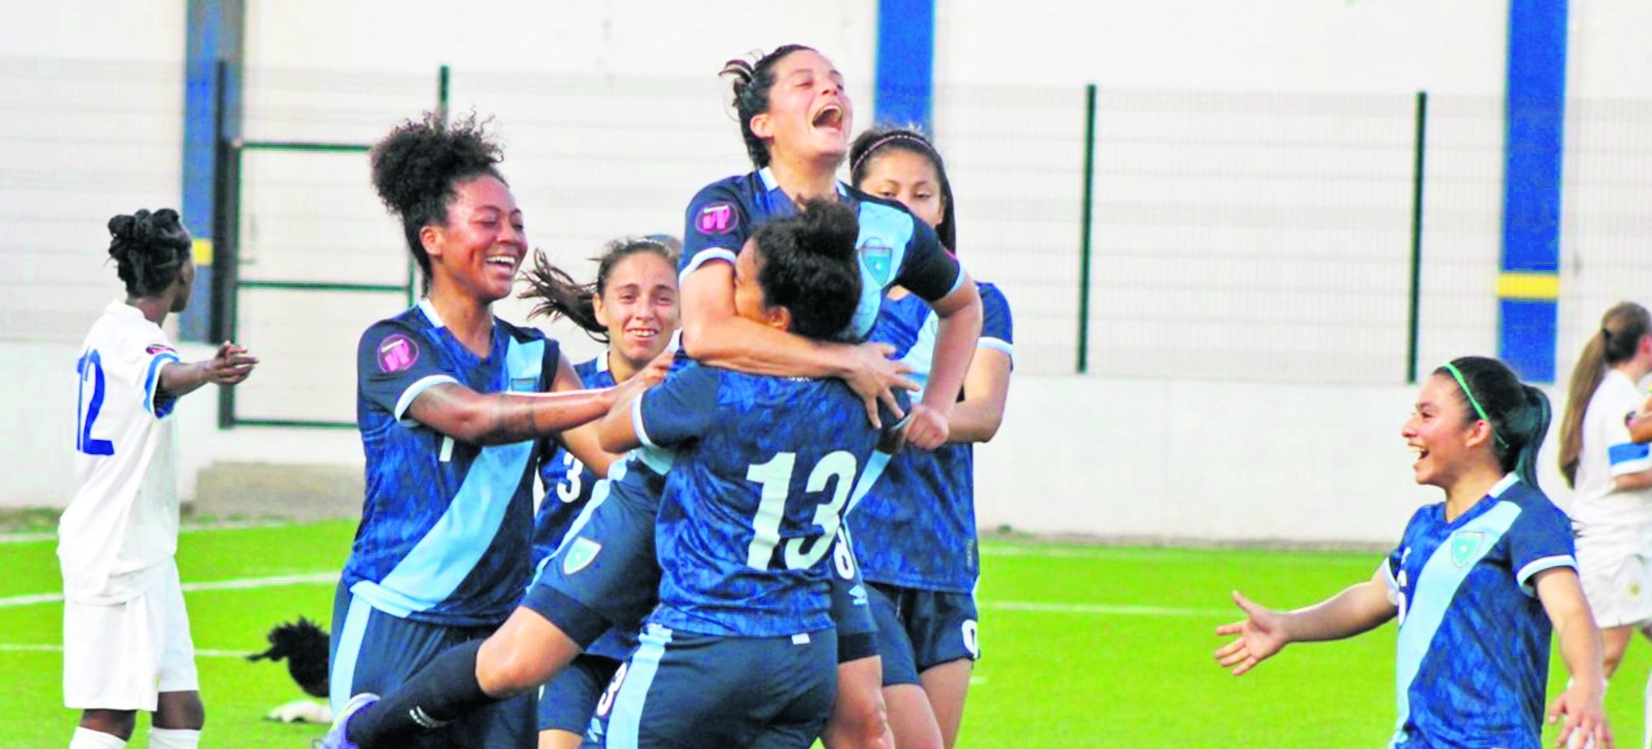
x,y
1479,582
914,525
741,650
797,138
452,404
631,307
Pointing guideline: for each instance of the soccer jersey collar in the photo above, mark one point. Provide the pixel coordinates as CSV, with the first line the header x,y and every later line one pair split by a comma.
x,y
602,361
430,314
770,184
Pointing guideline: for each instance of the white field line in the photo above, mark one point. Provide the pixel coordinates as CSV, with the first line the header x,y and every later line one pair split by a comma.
x,y
18,647
248,583
33,538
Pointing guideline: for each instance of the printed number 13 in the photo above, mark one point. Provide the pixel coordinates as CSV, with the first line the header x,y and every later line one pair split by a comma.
x,y
90,367
775,478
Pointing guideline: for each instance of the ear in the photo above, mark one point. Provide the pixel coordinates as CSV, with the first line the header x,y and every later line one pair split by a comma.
x,y
1478,434
431,238
777,317
762,126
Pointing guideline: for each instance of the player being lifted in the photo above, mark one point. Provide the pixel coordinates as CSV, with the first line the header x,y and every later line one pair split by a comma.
x,y
914,526
1479,582
126,643
632,307
607,573
452,407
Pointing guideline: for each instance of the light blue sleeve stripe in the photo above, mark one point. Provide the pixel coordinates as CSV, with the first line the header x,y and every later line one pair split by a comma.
x,y
636,422
152,384
341,677
1524,576
413,391
1388,577
1434,590
705,256
996,345
441,561
625,721
1630,457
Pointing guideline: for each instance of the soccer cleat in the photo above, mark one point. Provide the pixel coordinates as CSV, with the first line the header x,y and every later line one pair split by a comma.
x,y
335,738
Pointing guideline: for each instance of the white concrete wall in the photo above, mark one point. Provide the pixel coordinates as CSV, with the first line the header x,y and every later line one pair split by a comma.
x,y
1213,114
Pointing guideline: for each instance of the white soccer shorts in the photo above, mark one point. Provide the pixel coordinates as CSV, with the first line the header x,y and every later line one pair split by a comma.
x,y
122,657
1617,580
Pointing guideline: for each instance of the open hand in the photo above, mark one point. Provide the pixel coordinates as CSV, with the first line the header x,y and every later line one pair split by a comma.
x,y
1261,634
875,377
1585,724
230,365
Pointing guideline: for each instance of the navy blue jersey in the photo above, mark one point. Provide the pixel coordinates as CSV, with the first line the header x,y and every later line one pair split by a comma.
x,y
752,505
1473,655
567,481
447,526
915,525
895,248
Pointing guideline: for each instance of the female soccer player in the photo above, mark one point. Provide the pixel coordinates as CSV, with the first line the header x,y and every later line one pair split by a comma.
x,y
794,118
741,651
1477,582
632,307
126,644
1612,477
451,405
914,529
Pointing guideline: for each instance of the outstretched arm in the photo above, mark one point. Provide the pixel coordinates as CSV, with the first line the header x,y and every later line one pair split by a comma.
x,y
502,418
583,441
1581,704
229,366
1264,631
713,334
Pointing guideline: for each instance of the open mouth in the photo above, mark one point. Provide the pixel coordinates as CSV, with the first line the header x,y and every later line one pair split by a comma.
x,y
642,334
1419,452
508,262
829,117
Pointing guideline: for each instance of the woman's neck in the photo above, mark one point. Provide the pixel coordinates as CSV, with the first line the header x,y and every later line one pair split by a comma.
x,y
154,308
802,180
621,368
469,319
1471,487
1635,369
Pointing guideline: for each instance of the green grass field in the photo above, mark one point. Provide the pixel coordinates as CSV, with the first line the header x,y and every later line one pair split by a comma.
x,y
1084,646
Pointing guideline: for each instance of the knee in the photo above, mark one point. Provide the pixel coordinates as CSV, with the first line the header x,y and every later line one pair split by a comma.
x,y
859,724
180,711
506,667
116,723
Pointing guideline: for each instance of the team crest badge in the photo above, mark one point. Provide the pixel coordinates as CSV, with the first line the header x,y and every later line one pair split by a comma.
x,y
877,258
1464,546
524,384
717,218
397,354
579,555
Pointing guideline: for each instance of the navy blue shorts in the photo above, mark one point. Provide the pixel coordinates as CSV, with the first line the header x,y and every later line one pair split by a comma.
x,y
605,573
921,629
857,628
375,652
570,699
684,690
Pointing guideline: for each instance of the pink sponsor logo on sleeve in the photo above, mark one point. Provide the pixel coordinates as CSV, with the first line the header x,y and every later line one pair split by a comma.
x,y
397,354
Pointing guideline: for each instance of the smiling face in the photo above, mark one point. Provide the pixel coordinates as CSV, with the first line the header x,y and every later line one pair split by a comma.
x,y
1442,434
482,245
809,115
638,303
901,175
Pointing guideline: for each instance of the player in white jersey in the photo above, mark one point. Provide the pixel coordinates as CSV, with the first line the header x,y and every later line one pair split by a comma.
x,y
1611,478
126,644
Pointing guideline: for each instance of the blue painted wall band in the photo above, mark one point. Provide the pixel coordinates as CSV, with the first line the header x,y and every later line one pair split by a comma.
x,y
906,62
214,33
1534,122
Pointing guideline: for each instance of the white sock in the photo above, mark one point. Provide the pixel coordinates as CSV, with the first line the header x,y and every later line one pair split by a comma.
x,y
174,738
86,738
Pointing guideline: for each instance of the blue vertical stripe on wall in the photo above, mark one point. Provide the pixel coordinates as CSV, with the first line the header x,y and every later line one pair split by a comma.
x,y
214,33
1534,122
906,62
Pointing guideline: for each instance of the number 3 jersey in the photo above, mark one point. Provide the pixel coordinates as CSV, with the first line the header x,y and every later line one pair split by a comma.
x,y
753,502
122,525
1473,655
567,481
447,526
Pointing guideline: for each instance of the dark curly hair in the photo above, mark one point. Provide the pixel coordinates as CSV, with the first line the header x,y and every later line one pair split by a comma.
x,y
884,138
807,264
417,166
1518,413
560,295
149,249
751,82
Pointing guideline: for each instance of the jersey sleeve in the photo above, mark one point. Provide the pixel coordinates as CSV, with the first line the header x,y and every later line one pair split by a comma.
x,y
927,269
1623,454
394,364
1393,564
717,226
680,409
1540,539
156,355
997,329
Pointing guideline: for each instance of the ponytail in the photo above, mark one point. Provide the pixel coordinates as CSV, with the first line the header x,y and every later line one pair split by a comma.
x,y
560,295
1621,330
